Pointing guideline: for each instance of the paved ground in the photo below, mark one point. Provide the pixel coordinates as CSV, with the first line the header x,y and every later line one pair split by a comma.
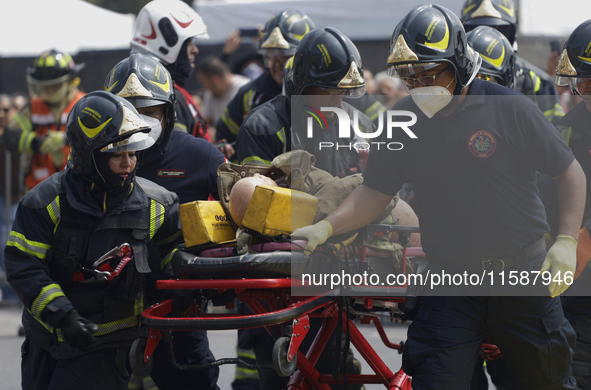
x,y
222,344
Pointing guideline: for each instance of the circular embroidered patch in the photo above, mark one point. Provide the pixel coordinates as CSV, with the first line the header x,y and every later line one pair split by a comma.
x,y
482,144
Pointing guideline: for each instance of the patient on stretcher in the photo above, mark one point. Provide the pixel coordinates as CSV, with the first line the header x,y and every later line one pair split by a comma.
x,y
329,190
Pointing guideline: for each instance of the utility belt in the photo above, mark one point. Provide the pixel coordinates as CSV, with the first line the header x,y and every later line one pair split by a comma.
x,y
520,256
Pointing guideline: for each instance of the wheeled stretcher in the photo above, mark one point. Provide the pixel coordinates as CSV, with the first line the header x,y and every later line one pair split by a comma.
x,y
262,281
269,281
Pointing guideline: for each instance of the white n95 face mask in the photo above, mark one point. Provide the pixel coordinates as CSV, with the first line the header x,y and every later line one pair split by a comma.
x,y
431,99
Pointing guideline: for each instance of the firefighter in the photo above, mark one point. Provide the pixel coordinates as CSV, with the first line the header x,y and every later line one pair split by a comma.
x,y
574,71
468,154
81,317
169,30
192,175
39,128
269,131
530,80
279,40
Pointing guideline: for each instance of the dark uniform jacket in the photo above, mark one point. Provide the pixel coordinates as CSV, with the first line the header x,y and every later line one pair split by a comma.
x,y
251,95
538,86
60,228
575,127
185,165
268,131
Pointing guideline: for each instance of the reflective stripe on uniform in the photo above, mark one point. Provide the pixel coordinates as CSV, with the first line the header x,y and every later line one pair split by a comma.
x,y
47,294
108,327
556,111
19,241
537,81
27,135
374,110
566,134
138,307
170,239
247,101
243,372
180,126
42,119
167,259
156,217
246,373
54,212
257,159
230,124
281,135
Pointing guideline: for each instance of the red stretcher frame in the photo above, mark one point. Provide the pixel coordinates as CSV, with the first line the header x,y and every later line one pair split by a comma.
x,y
284,309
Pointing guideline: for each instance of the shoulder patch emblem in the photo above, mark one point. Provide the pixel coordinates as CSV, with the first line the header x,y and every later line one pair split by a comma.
x,y
482,144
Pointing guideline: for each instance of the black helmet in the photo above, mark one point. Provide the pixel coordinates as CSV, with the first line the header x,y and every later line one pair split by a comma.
x,y
144,82
575,60
283,32
52,67
498,14
327,59
428,36
103,122
498,58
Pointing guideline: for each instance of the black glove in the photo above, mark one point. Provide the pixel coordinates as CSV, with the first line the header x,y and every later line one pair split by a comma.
x,y
77,330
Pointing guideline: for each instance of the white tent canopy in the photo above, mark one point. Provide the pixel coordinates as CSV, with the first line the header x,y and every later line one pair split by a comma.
x,y
357,19
552,17
29,27
376,19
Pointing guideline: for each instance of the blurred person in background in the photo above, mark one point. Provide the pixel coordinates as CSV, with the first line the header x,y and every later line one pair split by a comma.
x,y
220,86
9,177
529,79
390,89
279,40
371,87
247,62
169,30
18,101
39,128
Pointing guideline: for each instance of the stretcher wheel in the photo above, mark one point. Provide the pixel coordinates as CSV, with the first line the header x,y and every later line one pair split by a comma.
x,y
280,364
136,358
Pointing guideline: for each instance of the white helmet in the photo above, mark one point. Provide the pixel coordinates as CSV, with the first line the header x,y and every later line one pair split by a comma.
x,y
162,27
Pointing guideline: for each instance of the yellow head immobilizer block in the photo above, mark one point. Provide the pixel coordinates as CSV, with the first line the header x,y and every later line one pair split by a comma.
x,y
270,210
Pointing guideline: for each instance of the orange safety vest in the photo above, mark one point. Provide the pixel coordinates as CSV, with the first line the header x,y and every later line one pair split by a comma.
x,y
42,120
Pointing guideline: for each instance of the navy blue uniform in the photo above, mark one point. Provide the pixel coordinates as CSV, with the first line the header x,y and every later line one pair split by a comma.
x,y
576,130
249,96
537,85
187,166
268,131
63,224
474,174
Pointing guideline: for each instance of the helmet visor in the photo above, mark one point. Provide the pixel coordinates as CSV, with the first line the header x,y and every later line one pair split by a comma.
x,y
569,81
273,52
407,73
48,88
352,93
133,143
574,83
